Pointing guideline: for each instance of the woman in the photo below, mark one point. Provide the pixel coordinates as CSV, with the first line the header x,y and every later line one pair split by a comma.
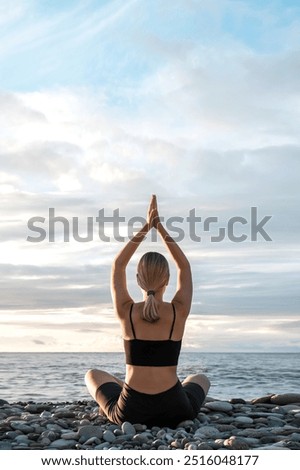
x,y
152,332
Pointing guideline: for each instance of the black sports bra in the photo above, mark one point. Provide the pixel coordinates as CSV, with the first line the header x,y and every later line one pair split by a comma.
x,y
155,353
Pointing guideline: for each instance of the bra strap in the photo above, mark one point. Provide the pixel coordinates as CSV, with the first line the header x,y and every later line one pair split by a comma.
x,y
131,322
174,318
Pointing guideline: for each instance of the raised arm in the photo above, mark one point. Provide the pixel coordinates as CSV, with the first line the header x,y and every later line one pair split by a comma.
x,y
119,292
184,291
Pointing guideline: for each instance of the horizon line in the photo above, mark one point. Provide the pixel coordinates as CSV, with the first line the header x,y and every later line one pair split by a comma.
x,y
121,352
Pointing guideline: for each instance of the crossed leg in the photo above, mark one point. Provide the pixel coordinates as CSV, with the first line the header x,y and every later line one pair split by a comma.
x,y
95,377
196,387
199,379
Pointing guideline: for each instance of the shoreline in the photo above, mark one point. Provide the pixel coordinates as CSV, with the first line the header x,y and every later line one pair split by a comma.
x,y
270,422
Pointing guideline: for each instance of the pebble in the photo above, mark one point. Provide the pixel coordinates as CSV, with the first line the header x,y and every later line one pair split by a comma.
x,y
208,432
236,443
90,431
224,406
243,420
62,444
139,439
285,398
19,426
3,402
128,428
108,436
70,435
270,422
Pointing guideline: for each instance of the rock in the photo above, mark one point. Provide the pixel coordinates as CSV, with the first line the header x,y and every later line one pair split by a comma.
x,y
141,438
31,408
265,399
252,442
108,436
4,427
22,439
102,446
70,435
5,445
11,434
85,422
64,414
272,447
237,401
288,408
63,444
53,427
51,435
122,438
45,414
3,402
236,443
140,427
283,431
169,438
90,431
273,421
192,447
155,429
224,406
157,443
177,444
20,426
204,446
92,440
77,426
45,442
202,418
186,424
243,420
14,410
181,433
292,445
128,428
207,432
285,398
113,428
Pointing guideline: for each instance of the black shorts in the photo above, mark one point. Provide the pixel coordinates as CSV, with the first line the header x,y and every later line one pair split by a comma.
x,y
167,408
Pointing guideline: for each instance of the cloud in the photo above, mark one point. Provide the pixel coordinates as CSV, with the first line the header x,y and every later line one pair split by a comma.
x,y
38,342
193,104
56,287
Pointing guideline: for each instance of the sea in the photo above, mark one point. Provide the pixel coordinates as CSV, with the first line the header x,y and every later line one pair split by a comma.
x,y
59,377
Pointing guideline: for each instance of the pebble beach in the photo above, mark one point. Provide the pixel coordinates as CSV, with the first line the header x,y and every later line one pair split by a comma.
x,y
269,422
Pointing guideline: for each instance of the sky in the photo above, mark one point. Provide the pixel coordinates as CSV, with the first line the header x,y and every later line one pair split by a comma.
x,y
104,103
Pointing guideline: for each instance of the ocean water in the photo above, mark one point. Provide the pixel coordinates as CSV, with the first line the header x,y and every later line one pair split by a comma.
x,y
60,376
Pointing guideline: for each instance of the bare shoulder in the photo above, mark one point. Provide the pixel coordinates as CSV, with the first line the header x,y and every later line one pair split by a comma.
x,y
181,308
123,310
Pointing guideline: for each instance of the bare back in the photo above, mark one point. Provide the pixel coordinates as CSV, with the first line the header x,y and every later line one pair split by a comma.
x,y
152,379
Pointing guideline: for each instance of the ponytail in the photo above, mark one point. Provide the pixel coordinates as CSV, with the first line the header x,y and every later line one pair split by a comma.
x,y
153,273
150,310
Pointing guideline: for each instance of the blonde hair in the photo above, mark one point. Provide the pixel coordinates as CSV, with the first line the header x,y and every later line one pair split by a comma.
x,y
152,274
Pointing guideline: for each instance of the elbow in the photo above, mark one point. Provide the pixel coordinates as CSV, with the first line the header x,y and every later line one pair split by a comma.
x,y
184,265
118,264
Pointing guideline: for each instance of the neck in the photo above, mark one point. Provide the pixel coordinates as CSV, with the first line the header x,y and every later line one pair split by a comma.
x,y
158,295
